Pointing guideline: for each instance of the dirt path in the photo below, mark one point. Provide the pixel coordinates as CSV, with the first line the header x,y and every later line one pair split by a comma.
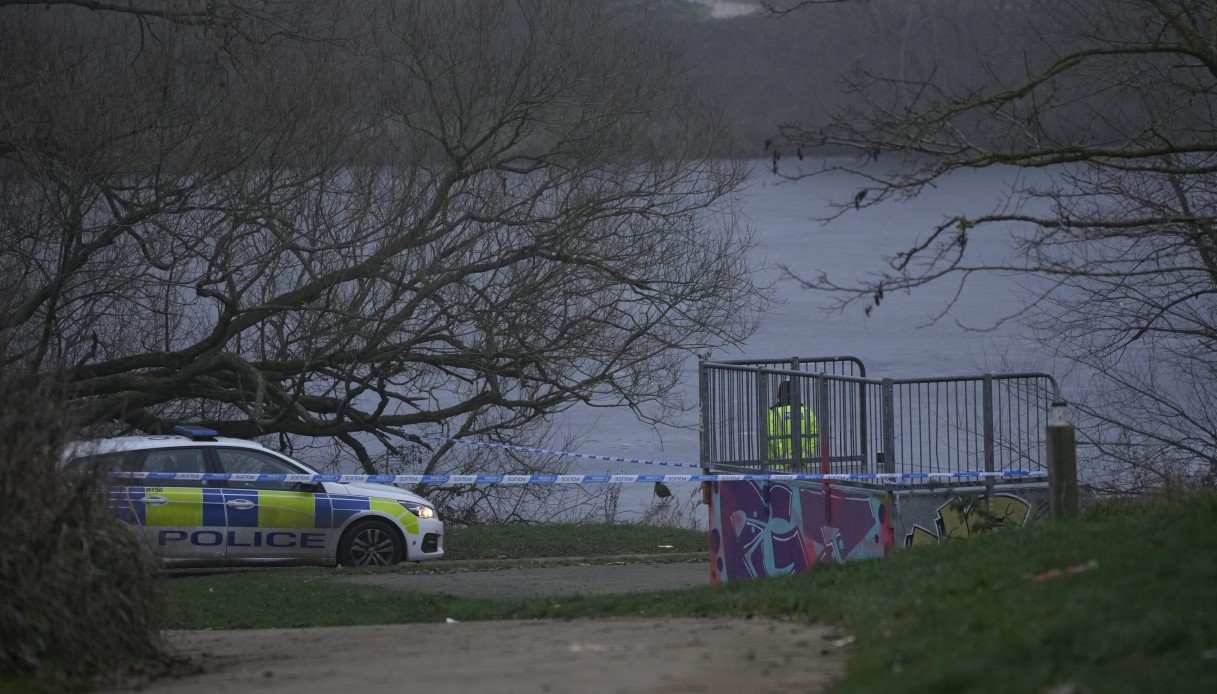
x,y
594,656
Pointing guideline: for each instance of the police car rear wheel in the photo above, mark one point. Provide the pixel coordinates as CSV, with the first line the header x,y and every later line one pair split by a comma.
x,y
370,543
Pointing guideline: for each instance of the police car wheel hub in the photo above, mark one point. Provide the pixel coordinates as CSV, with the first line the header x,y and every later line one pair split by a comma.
x,y
372,546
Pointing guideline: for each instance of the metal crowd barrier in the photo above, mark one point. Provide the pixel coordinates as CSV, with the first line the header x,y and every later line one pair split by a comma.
x,y
990,422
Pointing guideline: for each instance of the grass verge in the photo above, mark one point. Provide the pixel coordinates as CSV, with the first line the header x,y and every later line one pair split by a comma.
x,y
567,540
1000,613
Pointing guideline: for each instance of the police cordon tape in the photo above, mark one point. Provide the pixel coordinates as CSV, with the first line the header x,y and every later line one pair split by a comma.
x,y
546,451
579,479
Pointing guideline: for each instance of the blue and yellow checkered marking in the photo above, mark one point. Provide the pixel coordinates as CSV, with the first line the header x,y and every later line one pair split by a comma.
x,y
274,509
186,506
207,507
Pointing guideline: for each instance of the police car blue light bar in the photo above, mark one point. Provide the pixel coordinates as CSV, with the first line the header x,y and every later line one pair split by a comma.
x,y
195,432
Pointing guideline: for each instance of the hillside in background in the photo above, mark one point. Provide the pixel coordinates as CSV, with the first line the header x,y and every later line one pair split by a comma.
x,y
762,69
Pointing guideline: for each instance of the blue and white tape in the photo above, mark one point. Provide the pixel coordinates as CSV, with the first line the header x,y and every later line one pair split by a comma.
x,y
892,478
565,454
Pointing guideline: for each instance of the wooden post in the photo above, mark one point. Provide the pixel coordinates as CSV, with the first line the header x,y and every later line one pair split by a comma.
x,y
1062,464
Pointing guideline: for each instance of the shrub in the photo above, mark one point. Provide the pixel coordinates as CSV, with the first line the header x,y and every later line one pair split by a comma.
x,y
78,595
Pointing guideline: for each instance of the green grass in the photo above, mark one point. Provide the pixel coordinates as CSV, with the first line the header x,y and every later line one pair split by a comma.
x,y
962,616
532,540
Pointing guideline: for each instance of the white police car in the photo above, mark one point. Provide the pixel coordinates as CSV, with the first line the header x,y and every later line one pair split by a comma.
x,y
196,521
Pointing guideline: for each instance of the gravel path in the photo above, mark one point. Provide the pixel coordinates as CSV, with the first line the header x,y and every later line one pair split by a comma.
x,y
581,655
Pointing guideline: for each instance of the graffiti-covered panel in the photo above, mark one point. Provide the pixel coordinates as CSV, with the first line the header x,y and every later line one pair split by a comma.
x,y
776,528
926,517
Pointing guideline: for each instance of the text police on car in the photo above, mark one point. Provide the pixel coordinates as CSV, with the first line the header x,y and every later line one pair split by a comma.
x,y
187,520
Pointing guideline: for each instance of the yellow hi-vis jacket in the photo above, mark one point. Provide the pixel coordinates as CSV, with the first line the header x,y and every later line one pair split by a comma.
x,y
781,445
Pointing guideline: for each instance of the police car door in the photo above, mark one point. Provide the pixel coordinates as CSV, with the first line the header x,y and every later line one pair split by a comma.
x,y
271,520
182,519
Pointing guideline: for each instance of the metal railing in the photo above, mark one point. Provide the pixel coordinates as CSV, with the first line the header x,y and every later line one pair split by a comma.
x,y
838,366
989,422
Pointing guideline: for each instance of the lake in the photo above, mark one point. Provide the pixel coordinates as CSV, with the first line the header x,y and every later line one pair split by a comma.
x,y
902,338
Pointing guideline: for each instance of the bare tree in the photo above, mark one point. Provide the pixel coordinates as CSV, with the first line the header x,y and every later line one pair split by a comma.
x,y
450,218
1116,103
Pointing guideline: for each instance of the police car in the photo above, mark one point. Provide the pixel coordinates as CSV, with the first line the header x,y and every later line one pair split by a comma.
x,y
196,522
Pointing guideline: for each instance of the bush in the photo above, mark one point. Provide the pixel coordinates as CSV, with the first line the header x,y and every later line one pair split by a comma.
x,y
78,595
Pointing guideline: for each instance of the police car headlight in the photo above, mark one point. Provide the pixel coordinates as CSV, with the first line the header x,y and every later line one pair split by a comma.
x,y
418,509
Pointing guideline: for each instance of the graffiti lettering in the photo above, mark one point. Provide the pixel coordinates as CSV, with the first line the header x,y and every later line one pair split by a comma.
x,y
771,529
959,520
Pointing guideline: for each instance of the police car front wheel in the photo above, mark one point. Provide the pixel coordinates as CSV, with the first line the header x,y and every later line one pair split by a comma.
x,y
370,543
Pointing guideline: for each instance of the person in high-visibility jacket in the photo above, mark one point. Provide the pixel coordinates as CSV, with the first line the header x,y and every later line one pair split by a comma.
x,y
781,427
